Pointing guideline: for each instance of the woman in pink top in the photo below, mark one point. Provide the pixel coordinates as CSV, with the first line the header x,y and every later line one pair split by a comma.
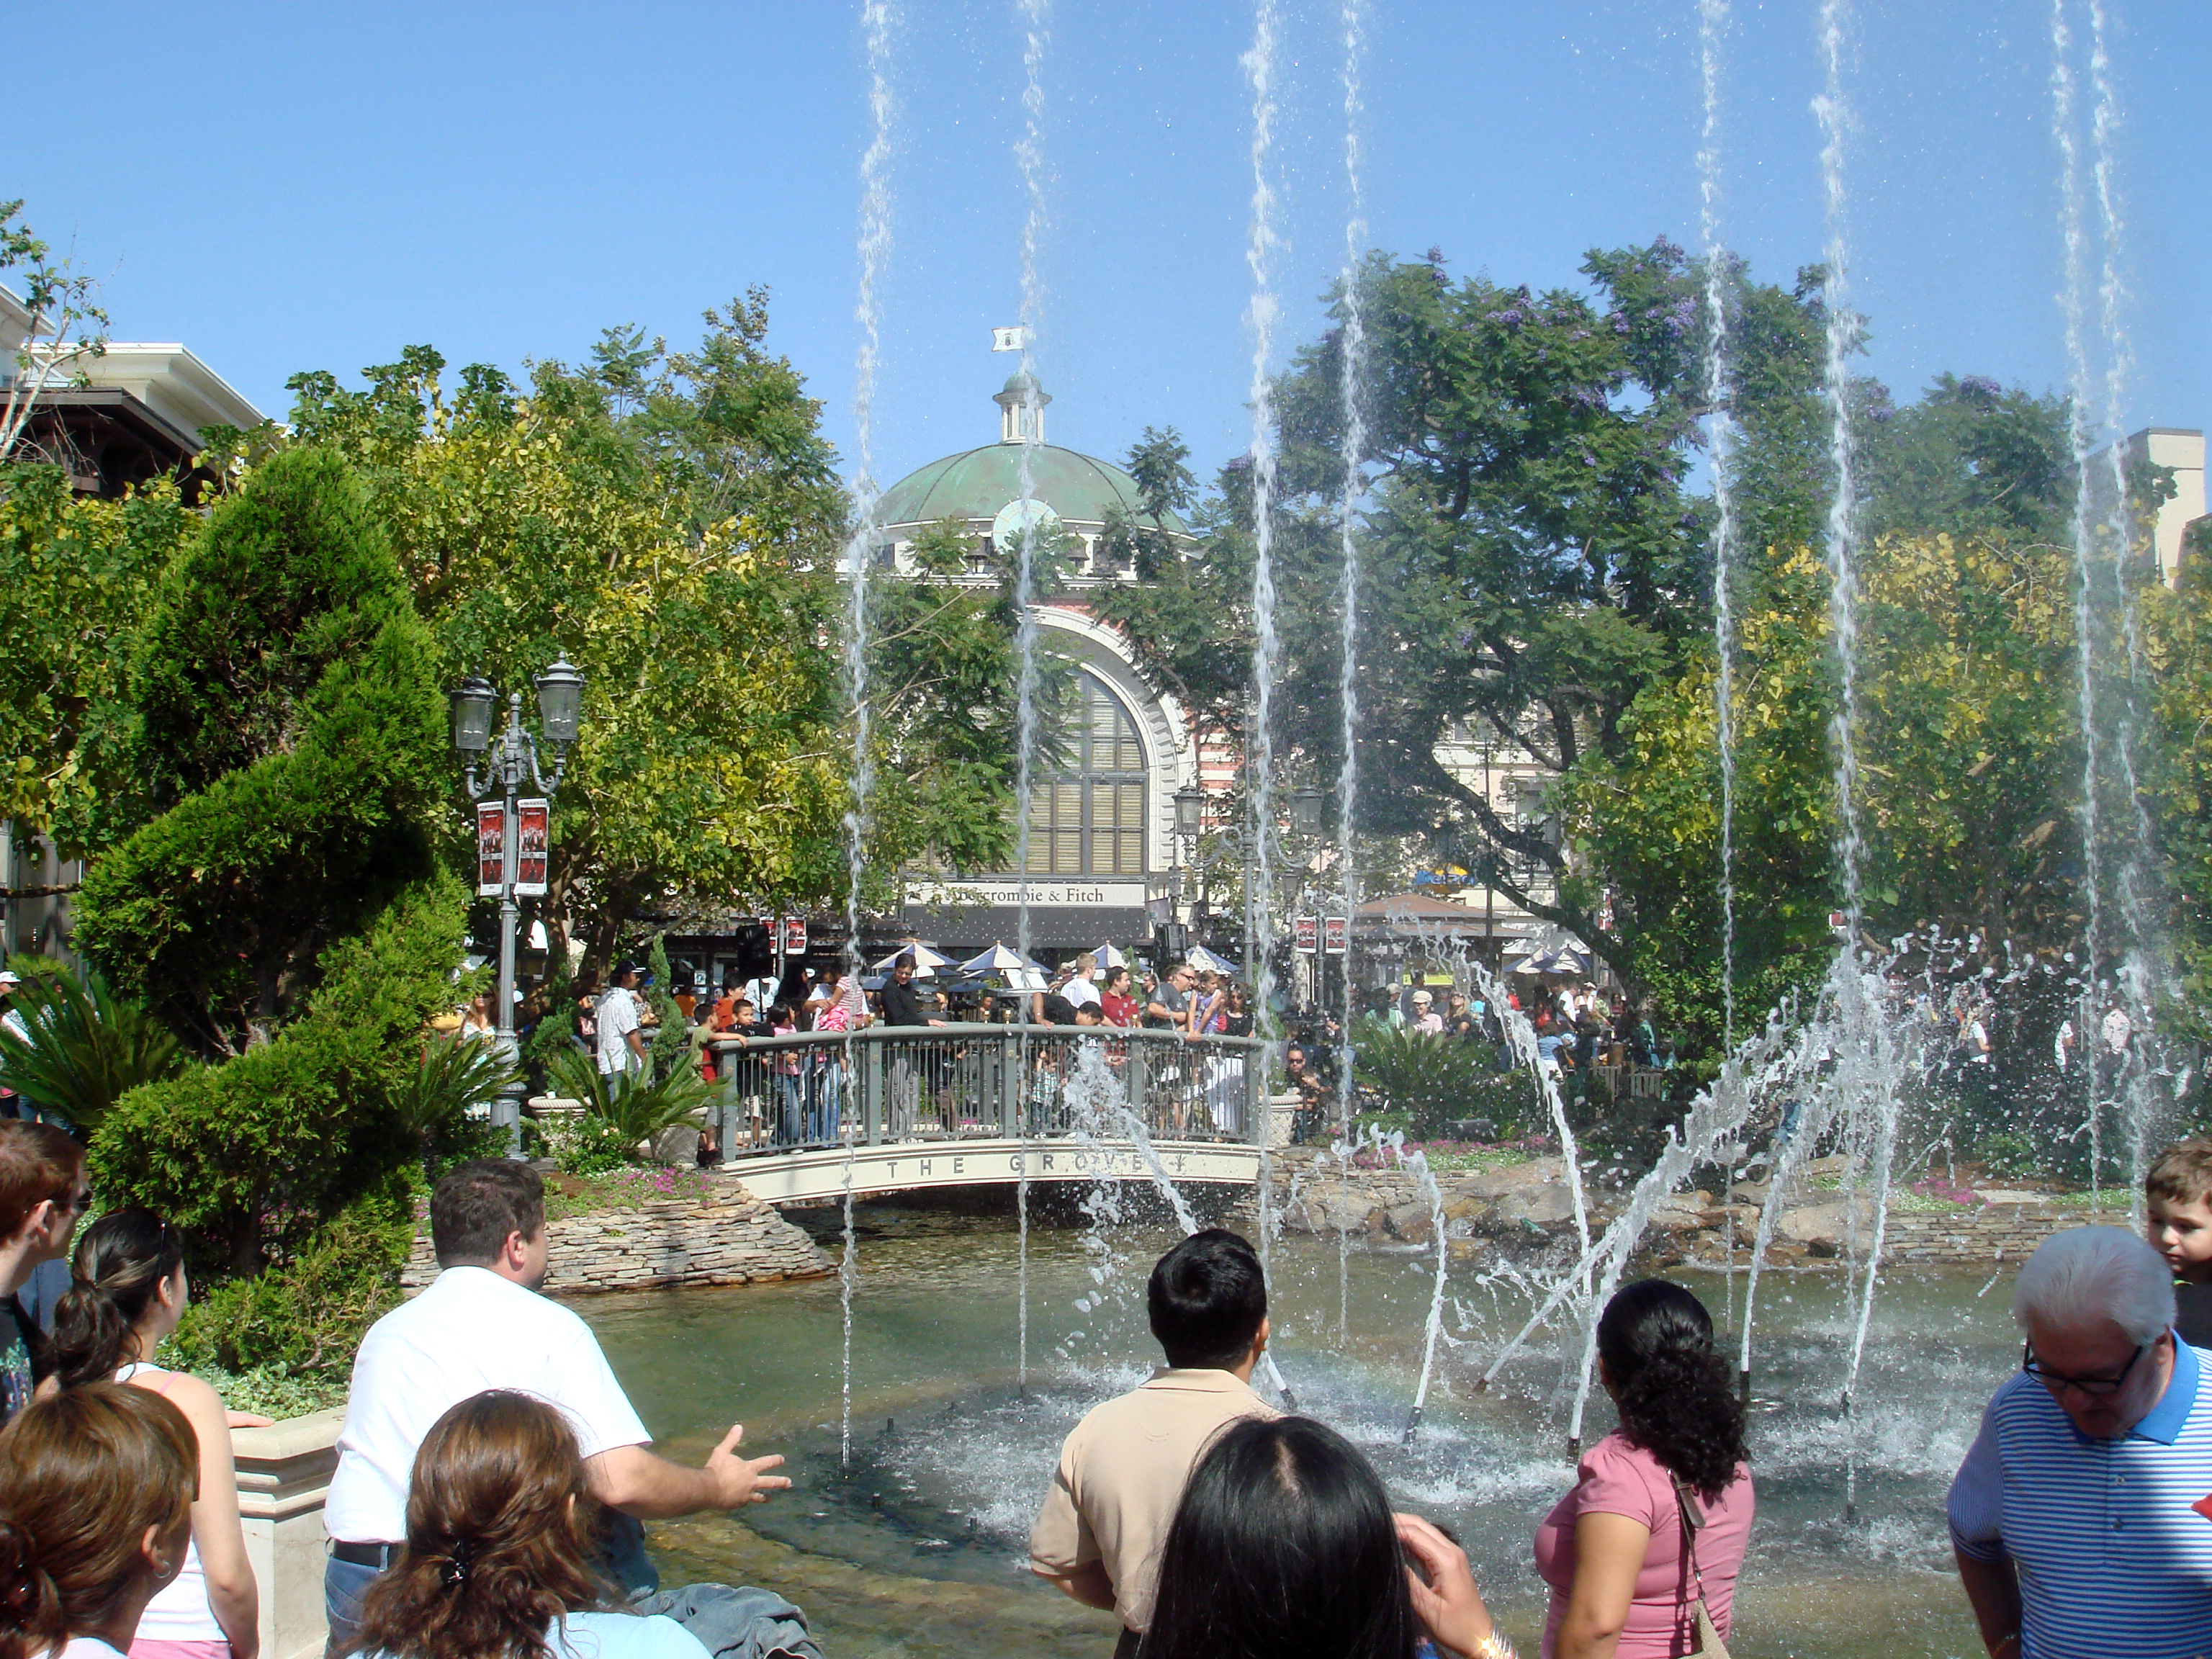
x,y
1622,1584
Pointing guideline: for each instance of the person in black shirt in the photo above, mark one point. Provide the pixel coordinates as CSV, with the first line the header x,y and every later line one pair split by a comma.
x,y
903,1006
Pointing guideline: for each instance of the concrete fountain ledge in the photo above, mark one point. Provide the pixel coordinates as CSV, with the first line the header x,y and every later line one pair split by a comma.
x,y
715,1233
1530,1202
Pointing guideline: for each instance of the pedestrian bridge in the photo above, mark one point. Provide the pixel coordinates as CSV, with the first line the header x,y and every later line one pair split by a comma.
x,y
807,1117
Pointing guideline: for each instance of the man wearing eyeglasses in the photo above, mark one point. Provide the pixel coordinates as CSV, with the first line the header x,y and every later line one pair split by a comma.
x,y
42,1196
2073,1519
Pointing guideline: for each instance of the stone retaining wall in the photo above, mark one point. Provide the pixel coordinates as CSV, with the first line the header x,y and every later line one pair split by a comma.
x,y
1530,1203
726,1237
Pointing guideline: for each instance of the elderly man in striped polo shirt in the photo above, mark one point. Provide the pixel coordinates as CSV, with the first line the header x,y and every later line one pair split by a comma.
x,y
2073,1518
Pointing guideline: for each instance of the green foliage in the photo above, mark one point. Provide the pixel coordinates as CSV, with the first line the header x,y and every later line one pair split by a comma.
x,y
434,1105
249,1156
1437,1080
672,523
285,912
1970,457
666,1043
303,1319
634,1107
74,573
87,1047
583,1145
287,704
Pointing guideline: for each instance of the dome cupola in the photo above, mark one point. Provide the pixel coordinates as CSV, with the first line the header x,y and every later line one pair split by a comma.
x,y
1021,404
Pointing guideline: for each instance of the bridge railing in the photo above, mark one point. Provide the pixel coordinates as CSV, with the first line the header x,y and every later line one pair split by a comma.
x,y
901,1084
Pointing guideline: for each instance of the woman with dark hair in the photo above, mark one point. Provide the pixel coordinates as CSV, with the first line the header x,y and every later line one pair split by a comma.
x,y
95,1517
128,1291
1284,1547
498,1561
1624,1580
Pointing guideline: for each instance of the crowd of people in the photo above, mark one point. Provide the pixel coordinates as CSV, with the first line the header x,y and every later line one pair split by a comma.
x,y
799,1092
492,1473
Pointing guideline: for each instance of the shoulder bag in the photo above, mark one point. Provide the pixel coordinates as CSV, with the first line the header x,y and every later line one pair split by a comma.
x,y
1710,1645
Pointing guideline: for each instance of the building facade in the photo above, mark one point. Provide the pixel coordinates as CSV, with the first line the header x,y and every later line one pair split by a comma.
x,y
1105,861
1102,850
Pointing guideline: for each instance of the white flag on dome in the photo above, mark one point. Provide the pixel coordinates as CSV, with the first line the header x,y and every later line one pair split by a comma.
x,y
1016,338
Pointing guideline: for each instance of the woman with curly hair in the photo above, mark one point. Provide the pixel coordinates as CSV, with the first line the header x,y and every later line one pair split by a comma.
x,y
1623,1582
498,1559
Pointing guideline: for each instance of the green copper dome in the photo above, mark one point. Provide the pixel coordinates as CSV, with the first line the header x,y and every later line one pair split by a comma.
x,y
976,482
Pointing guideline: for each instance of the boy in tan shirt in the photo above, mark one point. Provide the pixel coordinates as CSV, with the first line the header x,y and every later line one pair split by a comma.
x,y
1122,1471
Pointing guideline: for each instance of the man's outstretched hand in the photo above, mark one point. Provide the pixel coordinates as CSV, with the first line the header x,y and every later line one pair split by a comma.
x,y
740,1481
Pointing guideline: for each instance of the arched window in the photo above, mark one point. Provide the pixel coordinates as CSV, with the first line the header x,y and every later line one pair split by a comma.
x,y
1089,820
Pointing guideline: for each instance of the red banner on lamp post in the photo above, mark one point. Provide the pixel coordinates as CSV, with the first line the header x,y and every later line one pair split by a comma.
x,y
491,848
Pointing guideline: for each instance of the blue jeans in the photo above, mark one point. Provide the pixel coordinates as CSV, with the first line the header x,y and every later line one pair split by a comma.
x,y
823,1120
790,1123
344,1584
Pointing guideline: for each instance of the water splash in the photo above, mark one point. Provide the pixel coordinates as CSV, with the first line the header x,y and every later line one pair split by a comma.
x,y
1833,114
2080,436
1426,1179
876,21
1029,154
2135,878
1350,373
1260,254
1712,19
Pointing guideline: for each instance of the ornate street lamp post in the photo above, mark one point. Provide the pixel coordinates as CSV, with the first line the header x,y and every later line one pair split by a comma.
x,y
560,697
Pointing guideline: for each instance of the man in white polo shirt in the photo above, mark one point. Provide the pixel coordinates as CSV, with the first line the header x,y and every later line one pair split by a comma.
x,y
2078,1520
483,1325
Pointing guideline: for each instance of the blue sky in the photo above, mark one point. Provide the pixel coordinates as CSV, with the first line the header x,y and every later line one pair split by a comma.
x,y
311,186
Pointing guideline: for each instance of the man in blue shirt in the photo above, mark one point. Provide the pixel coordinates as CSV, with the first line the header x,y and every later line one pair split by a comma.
x,y
2071,1518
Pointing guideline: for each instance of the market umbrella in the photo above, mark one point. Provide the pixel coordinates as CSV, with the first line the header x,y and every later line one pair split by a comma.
x,y
999,960
1109,958
1207,962
927,959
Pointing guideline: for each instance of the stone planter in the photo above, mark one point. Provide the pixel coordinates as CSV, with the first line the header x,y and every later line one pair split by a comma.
x,y
284,1475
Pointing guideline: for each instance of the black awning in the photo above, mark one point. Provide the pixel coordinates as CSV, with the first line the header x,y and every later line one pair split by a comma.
x,y
961,929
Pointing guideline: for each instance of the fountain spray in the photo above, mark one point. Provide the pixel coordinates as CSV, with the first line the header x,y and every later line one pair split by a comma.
x,y
1350,369
1426,1179
1029,154
1260,254
2074,304
876,23
1712,19
2140,966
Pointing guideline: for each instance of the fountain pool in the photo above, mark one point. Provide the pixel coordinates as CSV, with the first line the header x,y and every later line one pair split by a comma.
x,y
918,1551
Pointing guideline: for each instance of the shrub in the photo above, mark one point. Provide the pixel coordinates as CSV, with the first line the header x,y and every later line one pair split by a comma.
x,y
586,1146
285,912
1437,1081
305,1317
632,1108
435,1104
88,1047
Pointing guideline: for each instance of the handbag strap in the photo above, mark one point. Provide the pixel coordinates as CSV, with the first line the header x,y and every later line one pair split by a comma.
x,y
1692,1522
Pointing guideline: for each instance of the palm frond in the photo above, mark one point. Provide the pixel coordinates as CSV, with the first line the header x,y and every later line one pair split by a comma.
x,y
87,1047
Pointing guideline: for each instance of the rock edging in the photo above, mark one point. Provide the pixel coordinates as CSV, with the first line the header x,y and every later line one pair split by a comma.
x,y
1530,1203
726,1237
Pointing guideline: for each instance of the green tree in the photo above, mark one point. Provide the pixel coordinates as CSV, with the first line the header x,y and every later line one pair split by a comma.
x,y
74,574
671,523
285,910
